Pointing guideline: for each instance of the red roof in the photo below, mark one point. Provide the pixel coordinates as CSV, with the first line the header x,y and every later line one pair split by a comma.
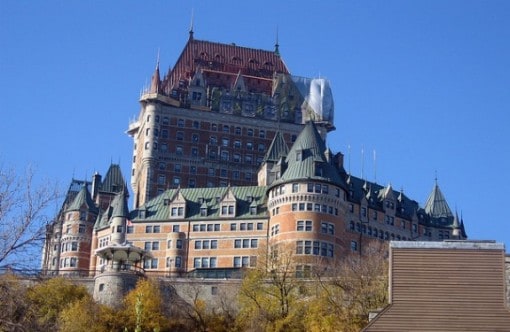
x,y
222,63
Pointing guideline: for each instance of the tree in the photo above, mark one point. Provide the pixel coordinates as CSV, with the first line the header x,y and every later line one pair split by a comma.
x,y
23,205
83,315
143,308
49,298
213,313
348,292
270,296
15,310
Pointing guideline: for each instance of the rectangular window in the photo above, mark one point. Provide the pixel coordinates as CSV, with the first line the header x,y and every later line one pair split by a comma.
x,y
178,244
176,228
198,244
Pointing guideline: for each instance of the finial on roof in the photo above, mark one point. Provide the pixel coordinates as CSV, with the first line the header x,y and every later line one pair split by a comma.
x,y
277,45
191,25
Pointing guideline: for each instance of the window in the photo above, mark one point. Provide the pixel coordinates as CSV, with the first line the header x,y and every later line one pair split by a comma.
x,y
354,246
81,228
233,227
175,228
275,229
178,244
237,144
295,187
155,245
180,123
157,229
178,261
262,133
249,132
303,225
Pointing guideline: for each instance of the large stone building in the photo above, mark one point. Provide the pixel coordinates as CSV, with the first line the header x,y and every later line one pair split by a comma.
x,y
230,163
209,121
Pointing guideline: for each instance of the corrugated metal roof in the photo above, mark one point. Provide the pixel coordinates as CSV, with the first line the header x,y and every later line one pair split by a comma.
x,y
452,286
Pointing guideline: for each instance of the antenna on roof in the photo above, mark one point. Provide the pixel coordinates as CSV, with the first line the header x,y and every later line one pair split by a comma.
x,y
362,162
375,168
349,156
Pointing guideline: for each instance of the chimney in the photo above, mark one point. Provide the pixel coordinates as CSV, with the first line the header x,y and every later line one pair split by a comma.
x,y
96,183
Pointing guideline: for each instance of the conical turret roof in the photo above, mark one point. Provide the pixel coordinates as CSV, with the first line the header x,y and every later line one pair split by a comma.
x,y
82,198
436,206
306,159
114,180
277,149
119,205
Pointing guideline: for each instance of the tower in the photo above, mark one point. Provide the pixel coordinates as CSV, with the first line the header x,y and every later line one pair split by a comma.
x,y
120,261
210,120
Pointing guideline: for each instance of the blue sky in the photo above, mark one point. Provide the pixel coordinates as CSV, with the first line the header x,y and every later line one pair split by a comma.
x,y
423,83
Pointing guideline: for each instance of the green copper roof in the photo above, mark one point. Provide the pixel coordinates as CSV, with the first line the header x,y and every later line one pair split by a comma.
x,y
82,198
436,206
198,198
307,159
113,181
119,204
277,149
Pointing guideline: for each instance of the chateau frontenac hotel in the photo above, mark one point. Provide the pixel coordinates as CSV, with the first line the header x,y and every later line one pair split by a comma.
x,y
230,161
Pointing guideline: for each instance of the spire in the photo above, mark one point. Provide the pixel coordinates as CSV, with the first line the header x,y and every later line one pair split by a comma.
x,y
191,25
436,206
155,80
120,205
277,45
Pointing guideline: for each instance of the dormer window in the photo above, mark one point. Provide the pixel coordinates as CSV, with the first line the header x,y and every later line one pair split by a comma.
x,y
253,210
227,210
177,211
318,170
299,155
203,211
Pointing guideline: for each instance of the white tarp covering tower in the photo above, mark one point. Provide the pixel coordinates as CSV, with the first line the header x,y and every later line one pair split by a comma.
x,y
318,99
